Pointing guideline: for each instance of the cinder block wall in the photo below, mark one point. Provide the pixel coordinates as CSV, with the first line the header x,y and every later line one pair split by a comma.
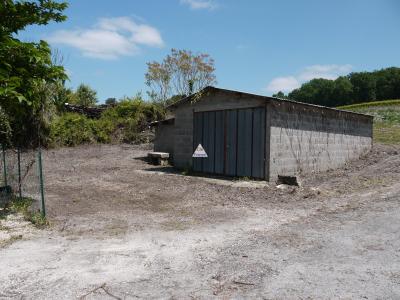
x,y
183,136
164,138
306,139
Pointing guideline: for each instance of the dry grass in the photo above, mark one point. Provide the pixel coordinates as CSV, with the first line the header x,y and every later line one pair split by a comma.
x,y
386,119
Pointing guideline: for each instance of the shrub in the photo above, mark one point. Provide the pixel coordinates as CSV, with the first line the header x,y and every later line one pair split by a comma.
x,y
129,118
124,122
71,129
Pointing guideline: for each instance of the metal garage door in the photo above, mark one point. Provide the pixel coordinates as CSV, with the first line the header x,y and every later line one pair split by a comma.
x,y
234,141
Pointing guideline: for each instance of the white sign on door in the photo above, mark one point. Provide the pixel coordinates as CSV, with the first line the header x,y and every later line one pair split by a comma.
x,y
199,152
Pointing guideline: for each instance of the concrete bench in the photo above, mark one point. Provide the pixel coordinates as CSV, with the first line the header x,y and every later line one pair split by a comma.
x,y
158,158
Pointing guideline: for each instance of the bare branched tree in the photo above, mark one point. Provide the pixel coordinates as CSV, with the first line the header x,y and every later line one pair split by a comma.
x,y
180,73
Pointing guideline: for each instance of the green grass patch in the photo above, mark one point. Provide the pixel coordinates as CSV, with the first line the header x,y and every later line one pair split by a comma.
x,y
387,134
370,104
24,207
386,119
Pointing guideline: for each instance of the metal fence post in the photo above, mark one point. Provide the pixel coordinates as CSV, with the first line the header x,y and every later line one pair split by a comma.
x,y
4,166
41,182
19,173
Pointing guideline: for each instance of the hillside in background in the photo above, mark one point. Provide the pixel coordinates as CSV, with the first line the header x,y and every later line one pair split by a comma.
x,y
386,119
356,87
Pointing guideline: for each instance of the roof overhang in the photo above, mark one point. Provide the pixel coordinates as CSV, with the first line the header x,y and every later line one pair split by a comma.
x,y
210,89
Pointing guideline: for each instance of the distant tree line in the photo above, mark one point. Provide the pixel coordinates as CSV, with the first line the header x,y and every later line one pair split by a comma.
x,y
354,88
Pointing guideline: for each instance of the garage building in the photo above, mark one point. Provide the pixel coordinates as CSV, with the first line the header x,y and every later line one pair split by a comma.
x,y
246,135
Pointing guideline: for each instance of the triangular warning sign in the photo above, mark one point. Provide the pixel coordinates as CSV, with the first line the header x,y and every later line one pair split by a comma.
x,y
200,152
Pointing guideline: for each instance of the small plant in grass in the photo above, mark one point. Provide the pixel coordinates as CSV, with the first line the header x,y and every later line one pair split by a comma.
x,y
21,205
24,207
37,219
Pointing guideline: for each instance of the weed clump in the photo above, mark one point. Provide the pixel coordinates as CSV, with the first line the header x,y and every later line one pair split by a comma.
x,y
24,206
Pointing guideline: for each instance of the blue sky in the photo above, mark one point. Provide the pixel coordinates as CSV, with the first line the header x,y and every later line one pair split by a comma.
x,y
259,46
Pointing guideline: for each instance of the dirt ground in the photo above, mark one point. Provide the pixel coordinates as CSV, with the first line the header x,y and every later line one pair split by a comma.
x,y
123,229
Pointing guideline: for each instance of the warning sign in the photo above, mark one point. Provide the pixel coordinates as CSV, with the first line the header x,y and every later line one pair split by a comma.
x,y
200,152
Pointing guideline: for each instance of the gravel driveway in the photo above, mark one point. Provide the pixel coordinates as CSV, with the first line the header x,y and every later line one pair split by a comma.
x,y
123,229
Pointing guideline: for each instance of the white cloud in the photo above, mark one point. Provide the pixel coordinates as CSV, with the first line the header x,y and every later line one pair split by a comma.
x,y
283,84
324,71
110,38
289,83
200,4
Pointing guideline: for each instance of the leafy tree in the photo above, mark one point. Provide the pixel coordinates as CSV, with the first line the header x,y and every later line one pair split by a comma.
x,y
388,83
26,68
354,88
364,86
5,129
342,92
84,96
280,95
180,73
111,101
316,91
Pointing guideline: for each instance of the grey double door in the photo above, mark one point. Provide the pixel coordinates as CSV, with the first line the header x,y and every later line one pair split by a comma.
x,y
234,141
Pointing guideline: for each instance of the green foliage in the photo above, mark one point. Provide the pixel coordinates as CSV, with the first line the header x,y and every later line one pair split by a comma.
x,y
5,128
16,15
323,91
130,117
61,95
386,119
26,68
37,219
280,95
21,205
353,88
111,101
84,96
71,129
24,207
123,122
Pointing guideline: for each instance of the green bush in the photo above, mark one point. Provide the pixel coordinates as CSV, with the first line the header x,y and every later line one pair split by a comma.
x,y
129,118
124,122
71,129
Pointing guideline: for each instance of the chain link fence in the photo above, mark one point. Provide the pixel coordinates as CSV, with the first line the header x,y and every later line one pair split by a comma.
x,y
22,176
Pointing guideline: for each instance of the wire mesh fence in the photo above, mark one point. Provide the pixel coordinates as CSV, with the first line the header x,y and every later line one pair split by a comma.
x,y
22,176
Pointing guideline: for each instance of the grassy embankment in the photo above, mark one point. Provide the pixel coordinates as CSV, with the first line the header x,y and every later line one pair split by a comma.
x,y
386,121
